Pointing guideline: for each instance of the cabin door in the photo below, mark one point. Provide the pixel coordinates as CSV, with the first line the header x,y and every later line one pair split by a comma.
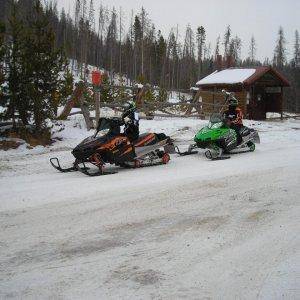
x,y
258,105
274,99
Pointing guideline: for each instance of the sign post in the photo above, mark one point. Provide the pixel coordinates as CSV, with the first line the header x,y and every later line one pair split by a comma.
x,y
97,80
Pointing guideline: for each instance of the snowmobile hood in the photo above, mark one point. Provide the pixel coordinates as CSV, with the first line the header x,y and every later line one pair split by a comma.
x,y
211,134
92,140
87,140
88,146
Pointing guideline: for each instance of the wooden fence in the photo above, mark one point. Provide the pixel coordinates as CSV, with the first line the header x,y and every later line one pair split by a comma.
x,y
193,107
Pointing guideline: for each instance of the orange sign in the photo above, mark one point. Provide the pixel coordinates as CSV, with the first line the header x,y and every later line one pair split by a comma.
x,y
96,78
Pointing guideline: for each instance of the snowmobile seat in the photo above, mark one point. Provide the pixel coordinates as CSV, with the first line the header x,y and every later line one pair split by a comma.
x,y
245,131
144,139
140,138
147,139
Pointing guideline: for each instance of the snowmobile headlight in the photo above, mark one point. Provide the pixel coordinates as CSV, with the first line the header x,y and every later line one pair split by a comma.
x,y
216,125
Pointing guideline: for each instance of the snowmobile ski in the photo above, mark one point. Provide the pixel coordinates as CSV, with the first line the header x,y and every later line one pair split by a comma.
x,y
58,167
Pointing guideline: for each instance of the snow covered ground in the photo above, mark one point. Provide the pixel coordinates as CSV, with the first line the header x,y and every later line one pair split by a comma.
x,y
192,229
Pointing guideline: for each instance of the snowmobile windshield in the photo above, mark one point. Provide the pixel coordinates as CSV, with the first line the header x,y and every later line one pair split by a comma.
x,y
107,126
215,121
102,132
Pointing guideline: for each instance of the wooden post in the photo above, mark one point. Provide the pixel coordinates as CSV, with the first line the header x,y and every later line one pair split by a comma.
x,y
97,80
86,113
97,106
77,94
140,99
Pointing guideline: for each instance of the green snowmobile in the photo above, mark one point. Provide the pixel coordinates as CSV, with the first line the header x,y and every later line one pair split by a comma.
x,y
218,138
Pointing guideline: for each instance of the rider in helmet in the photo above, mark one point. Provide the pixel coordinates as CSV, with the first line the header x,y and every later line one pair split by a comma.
x,y
130,118
234,117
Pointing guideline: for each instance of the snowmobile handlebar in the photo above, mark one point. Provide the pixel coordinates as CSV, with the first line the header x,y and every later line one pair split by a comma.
x,y
225,92
228,95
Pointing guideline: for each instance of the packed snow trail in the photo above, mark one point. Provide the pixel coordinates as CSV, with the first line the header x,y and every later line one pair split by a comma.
x,y
191,229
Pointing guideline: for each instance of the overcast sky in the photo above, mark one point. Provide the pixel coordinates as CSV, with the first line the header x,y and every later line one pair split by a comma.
x,y
261,18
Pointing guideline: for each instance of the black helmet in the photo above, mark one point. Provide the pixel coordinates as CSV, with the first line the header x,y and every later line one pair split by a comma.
x,y
129,107
233,102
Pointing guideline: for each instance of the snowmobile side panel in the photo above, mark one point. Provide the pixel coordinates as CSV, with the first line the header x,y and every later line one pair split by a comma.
x,y
142,151
149,161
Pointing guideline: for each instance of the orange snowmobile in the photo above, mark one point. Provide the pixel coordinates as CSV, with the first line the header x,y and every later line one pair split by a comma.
x,y
109,145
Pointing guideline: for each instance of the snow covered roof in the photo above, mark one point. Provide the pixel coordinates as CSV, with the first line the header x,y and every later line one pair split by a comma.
x,y
242,76
228,76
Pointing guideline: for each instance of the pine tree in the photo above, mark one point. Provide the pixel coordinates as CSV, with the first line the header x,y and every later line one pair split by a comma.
x,y
18,100
201,36
111,41
161,59
235,48
2,46
43,63
189,44
3,96
102,25
77,12
252,50
150,53
297,50
2,12
144,27
207,51
188,67
83,38
91,18
172,57
280,50
5,8
62,31
120,39
91,28
217,50
138,35
226,41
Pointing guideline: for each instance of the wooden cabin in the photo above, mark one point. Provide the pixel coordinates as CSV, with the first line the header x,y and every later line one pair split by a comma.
x,y
259,90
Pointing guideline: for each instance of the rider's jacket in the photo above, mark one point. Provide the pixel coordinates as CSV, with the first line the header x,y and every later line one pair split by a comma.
x,y
131,128
235,116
